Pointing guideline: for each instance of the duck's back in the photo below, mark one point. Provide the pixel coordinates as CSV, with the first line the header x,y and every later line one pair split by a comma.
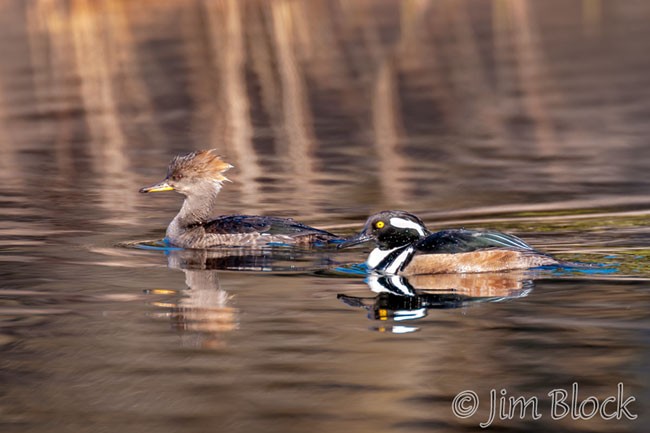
x,y
464,241
261,230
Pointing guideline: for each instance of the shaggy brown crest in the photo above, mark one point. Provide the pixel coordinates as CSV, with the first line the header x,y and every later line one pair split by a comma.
x,y
201,163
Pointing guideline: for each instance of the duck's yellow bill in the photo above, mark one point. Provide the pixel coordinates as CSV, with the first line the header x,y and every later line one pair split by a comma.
x,y
159,187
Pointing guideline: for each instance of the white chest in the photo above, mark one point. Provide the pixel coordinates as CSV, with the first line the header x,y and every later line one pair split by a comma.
x,y
388,261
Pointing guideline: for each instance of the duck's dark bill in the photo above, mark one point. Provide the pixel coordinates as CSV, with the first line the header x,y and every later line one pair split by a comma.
x,y
355,240
159,187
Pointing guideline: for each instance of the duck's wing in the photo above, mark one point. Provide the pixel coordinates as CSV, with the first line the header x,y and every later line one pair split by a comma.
x,y
463,241
266,225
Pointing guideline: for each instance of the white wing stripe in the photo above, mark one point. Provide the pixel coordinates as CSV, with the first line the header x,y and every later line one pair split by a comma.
x,y
511,240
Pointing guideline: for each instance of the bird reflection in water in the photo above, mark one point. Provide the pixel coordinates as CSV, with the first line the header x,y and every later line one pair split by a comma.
x,y
205,312
400,299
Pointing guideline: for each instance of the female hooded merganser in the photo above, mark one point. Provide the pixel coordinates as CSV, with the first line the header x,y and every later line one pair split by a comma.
x,y
199,176
406,247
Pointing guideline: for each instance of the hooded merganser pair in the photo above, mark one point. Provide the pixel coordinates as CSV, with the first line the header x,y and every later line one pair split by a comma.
x,y
406,247
199,177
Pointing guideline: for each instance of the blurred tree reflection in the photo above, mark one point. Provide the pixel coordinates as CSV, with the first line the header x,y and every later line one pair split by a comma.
x,y
381,101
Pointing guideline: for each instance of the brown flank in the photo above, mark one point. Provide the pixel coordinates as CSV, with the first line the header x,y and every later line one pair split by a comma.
x,y
476,261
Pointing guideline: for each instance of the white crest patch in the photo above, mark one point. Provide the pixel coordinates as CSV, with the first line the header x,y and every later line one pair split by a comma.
x,y
406,224
409,315
399,329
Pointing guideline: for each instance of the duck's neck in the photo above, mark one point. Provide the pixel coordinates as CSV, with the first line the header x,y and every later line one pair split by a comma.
x,y
197,208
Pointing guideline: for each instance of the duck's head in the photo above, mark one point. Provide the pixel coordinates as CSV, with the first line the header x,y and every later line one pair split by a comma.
x,y
390,229
194,172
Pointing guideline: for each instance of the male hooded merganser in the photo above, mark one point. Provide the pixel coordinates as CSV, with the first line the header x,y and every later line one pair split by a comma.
x,y
406,247
199,177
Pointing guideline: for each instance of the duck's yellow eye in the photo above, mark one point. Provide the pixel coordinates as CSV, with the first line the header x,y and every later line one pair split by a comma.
x,y
380,224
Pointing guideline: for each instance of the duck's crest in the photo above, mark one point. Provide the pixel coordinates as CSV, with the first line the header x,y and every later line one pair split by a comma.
x,y
200,163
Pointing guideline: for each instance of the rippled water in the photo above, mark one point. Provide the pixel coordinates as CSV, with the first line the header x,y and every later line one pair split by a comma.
x,y
525,117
